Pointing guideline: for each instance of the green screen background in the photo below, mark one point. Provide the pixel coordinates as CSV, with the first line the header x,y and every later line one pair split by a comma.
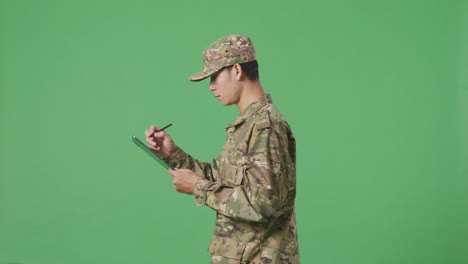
x,y
376,93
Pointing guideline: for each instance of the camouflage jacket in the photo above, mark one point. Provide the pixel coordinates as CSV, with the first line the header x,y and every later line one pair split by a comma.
x,y
252,187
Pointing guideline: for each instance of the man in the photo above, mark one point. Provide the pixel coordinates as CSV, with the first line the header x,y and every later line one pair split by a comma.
x,y
252,183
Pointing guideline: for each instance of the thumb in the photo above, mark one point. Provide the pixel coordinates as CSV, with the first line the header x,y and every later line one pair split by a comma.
x,y
172,172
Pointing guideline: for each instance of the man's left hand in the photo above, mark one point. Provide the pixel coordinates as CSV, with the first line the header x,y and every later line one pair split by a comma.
x,y
184,180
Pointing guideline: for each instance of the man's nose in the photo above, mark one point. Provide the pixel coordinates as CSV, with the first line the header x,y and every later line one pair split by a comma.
x,y
211,87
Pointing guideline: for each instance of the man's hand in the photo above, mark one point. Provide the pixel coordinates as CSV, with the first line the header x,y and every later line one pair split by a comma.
x,y
160,142
184,180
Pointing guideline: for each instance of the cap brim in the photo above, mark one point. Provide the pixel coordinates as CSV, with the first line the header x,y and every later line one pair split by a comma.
x,y
201,75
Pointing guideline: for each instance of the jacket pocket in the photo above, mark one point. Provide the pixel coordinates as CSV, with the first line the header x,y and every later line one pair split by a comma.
x,y
270,255
226,247
232,175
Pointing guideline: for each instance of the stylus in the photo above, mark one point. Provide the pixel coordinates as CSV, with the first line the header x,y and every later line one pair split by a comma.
x,y
162,129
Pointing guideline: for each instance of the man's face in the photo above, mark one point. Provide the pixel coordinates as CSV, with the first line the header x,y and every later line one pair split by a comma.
x,y
223,85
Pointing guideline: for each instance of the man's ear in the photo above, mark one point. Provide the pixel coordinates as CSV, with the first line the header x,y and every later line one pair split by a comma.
x,y
237,71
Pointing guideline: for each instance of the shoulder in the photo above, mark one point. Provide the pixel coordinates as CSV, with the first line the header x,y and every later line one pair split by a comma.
x,y
269,117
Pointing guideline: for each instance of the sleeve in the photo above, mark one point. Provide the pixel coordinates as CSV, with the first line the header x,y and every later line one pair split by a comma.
x,y
256,188
181,160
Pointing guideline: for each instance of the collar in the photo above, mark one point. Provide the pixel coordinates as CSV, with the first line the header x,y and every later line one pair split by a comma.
x,y
250,110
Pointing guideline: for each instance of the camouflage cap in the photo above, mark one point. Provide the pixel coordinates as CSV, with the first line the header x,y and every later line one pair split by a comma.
x,y
225,51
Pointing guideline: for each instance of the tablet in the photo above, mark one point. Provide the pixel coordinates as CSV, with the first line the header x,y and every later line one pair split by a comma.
x,y
151,152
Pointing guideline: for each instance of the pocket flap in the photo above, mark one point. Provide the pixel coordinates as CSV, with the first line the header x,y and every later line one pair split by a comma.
x,y
232,175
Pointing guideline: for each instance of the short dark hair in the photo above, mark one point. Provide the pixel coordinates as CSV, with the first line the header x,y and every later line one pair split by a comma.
x,y
250,69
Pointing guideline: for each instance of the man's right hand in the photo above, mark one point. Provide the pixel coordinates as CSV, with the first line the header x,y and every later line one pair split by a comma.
x,y
160,142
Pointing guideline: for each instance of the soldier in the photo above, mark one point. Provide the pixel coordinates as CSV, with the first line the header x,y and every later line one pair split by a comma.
x,y
252,183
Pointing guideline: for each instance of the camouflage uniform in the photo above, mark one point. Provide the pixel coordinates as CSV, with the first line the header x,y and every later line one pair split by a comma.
x,y
252,187
252,183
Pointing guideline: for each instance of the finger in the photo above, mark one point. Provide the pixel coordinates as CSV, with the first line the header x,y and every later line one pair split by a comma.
x,y
149,131
160,134
152,144
150,141
152,130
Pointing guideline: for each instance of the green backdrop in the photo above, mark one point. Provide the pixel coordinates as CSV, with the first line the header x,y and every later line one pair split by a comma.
x,y
376,93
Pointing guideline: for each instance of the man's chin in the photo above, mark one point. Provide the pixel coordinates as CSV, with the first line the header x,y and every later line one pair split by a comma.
x,y
227,103
224,102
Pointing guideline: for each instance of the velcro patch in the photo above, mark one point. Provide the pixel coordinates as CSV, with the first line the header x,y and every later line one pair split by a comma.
x,y
262,120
